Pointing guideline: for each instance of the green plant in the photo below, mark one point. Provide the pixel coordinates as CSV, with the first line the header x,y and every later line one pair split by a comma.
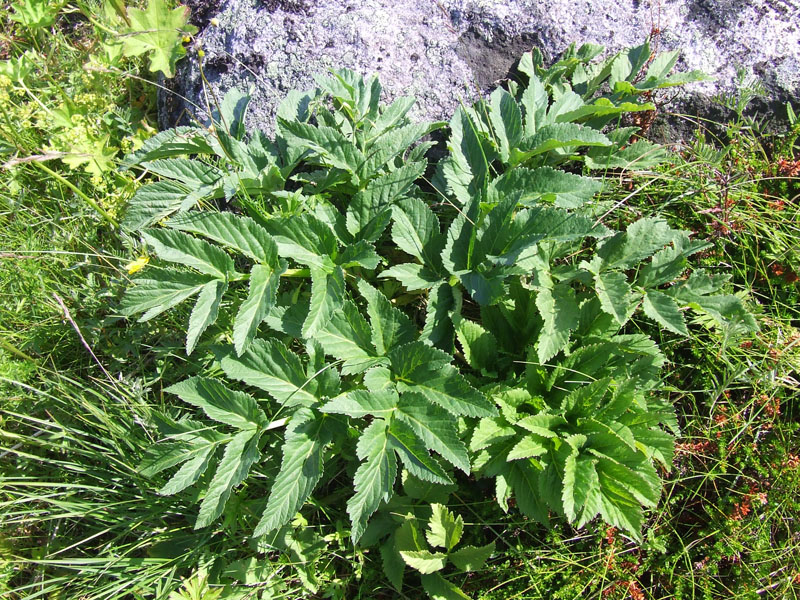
x,y
534,295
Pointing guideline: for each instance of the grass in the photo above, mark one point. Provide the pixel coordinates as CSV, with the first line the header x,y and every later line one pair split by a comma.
x,y
81,389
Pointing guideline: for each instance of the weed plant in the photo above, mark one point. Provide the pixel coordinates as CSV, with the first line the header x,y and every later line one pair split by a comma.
x,y
84,409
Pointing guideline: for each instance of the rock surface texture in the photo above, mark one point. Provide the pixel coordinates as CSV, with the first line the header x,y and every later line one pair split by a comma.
x,y
444,51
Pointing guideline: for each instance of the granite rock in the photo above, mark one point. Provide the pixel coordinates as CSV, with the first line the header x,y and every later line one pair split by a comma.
x,y
447,51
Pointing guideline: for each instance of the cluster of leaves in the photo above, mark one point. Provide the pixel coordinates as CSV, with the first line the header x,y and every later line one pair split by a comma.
x,y
489,333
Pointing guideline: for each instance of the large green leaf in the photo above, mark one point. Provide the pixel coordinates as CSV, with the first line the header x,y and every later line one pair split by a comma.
x,y
374,479
362,403
220,403
664,311
472,558
272,367
305,239
438,588
264,282
239,233
204,312
561,315
435,427
152,202
370,209
330,145
614,294
301,469
347,336
390,326
416,231
546,184
240,454
327,295
506,121
414,454
424,561
561,136
427,371
177,247
159,290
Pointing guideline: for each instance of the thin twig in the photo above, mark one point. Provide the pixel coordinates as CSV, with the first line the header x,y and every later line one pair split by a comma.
x,y
77,329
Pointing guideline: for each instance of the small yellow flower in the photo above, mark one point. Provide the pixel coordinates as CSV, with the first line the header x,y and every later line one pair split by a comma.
x,y
186,39
137,265
214,22
200,53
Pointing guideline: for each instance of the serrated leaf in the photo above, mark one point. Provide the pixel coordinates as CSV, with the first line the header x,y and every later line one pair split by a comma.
x,y
558,136
369,211
240,454
414,454
524,480
177,247
152,202
438,588
640,240
615,295
361,253
347,335
469,156
412,276
189,472
301,470
191,173
330,145
444,528
471,558
527,447
506,120
159,290
264,282
361,403
424,561
240,233
220,403
546,184
204,312
534,102
374,479
393,143
435,427
416,231
272,367
490,431
664,311
390,327
392,562
305,239
162,456
178,141
479,346
542,424
327,294
561,315
438,329
424,370
656,444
